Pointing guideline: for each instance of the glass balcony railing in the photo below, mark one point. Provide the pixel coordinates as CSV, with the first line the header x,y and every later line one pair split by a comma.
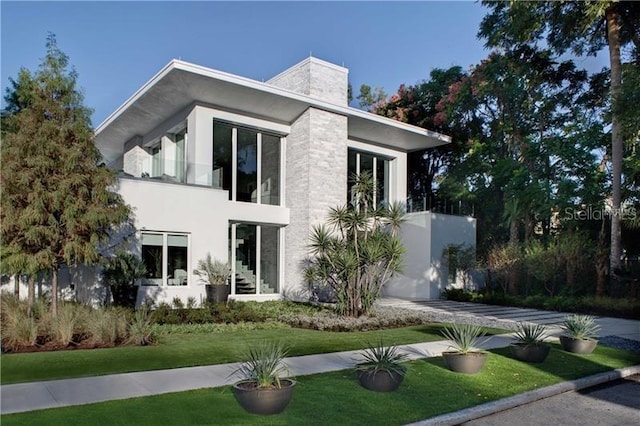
x,y
436,204
171,172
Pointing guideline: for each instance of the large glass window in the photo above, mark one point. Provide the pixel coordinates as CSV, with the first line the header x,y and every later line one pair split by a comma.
x,y
222,156
165,256
377,166
270,170
256,253
247,166
255,176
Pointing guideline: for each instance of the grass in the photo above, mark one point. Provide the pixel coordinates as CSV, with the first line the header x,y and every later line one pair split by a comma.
x,y
336,398
187,350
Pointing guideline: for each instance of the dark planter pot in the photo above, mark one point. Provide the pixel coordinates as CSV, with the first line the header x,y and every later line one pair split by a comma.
x,y
217,293
264,401
530,353
124,295
469,363
577,346
381,380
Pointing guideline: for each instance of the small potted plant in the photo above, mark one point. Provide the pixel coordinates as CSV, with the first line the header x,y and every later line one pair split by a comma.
x,y
530,345
262,390
580,334
381,370
215,274
465,358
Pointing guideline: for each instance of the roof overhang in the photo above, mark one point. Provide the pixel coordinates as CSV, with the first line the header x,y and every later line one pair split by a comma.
x,y
180,84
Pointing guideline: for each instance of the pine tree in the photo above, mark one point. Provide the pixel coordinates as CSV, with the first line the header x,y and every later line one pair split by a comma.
x,y
57,203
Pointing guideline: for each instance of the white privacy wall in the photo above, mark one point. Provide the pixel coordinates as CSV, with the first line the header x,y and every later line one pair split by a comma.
x,y
425,235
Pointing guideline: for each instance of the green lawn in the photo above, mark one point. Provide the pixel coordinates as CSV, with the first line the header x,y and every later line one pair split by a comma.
x,y
337,398
186,350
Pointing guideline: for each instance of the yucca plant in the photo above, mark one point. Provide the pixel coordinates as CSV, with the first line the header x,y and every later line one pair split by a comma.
x,y
264,366
382,358
581,327
212,271
530,334
465,338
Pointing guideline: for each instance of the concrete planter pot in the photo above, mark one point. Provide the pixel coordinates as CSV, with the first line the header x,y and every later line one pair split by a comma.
x,y
530,353
217,293
469,363
264,400
577,346
381,380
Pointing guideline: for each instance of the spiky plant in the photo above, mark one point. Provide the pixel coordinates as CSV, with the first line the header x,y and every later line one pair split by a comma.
x,y
141,330
465,338
581,327
264,365
382,358
530,334
212,271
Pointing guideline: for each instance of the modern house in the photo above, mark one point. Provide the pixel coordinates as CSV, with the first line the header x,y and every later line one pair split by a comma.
x,y
216,163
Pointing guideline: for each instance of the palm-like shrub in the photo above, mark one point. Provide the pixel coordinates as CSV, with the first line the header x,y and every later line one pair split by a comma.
x,y
465,338
264,366
358,250
530,334
581,327
212,271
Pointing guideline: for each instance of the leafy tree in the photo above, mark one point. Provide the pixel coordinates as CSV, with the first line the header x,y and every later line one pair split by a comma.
x,y
584,28
369,98
418,105
358,250
57,202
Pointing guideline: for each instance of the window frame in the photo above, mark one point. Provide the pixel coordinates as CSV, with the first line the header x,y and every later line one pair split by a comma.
x,y
164,281
233,190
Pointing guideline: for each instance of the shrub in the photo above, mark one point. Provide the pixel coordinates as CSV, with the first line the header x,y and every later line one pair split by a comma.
x,y
358,251
120,273
457,294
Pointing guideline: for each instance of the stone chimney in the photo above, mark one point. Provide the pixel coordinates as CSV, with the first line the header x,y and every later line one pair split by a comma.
x,y
316,78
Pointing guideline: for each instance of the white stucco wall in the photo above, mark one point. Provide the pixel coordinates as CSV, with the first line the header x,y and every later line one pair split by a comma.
x,y
202,213
425,235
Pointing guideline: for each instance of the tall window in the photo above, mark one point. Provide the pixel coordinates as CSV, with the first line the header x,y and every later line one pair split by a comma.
x,y
247,163
168,156
166,256
255,254
377,166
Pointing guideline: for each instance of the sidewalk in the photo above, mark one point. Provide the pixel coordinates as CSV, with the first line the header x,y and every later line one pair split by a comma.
x,y
22,397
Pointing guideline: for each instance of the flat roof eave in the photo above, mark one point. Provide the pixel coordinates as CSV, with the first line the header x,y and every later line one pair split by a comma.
x,y
180,84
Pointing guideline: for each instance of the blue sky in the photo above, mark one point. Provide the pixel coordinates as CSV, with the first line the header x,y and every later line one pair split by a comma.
x,y
117,46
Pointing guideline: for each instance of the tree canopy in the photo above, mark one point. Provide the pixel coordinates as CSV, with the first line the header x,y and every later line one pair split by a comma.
x,y
58,203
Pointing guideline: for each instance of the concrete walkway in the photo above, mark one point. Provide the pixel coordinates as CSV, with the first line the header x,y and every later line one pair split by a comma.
x,y
628,329
60,393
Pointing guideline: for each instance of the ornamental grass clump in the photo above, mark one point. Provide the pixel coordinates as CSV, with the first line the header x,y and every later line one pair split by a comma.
x,y
141,330
465,338
580,327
